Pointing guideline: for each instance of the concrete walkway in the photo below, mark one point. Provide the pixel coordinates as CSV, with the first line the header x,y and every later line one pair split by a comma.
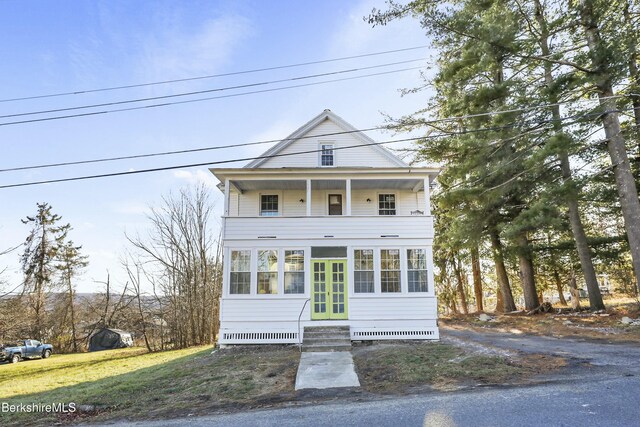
x,y
326,370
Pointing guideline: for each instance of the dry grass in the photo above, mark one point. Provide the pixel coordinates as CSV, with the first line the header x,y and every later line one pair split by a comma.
x,y
399,367
132,384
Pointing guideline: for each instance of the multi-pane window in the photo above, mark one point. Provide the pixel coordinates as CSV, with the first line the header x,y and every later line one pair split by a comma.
x,y
294,272
363,270
326,155
390,270
417,270
386,204
240,280
268,272
269,205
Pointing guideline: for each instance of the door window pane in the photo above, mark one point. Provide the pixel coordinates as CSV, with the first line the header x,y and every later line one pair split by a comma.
x,y
294,272
363,270
240,279
335,204
417,270
390,270
268,272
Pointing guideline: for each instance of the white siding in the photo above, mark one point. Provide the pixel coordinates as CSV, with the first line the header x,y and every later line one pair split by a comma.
x,y
344,227
247,204
366,156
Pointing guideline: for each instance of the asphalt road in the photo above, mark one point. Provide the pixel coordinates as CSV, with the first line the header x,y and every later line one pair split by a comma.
x,y
604,393
604,402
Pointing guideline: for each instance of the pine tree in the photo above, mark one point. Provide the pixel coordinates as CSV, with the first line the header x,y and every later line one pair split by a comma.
x,y
39,262
70,264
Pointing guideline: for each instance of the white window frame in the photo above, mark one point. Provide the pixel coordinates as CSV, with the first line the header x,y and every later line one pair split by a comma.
x,y
303,271
277,271
250,271
373,270
400,275
321,149
426,270
387,193
280,202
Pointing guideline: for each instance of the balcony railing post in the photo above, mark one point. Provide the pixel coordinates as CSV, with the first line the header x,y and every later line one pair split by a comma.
x,y
348,196
308,197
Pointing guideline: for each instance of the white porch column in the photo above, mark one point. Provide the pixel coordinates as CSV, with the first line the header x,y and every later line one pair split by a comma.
x,y
227,196
308,197
427,197
348,196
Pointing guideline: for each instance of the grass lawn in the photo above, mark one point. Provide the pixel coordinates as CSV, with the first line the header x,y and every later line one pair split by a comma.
x,y
134,384
131,384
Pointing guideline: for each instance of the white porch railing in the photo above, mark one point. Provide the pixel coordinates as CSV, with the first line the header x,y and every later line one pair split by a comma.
x,y
319,227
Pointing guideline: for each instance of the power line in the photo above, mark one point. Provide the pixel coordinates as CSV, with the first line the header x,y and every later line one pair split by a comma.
x,y
200,92
191,165
211,76
201,149
189,101
165,168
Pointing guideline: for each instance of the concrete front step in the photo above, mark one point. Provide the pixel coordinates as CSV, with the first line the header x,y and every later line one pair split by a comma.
x,y
326,328
326,338
337,341
326,347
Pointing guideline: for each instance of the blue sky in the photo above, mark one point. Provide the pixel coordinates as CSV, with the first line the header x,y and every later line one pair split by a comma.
x,y
53,47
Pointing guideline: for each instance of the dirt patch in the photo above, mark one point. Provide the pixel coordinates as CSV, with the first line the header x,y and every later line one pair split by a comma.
x,y
560,323
401,368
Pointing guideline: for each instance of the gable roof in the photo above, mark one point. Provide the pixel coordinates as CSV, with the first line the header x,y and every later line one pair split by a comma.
x,y
311,124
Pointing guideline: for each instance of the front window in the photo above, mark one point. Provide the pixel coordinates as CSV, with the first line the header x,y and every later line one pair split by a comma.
x,y
294,272
326,155
417,270
386,204
268,272
240,280
268,205
390,270
363,270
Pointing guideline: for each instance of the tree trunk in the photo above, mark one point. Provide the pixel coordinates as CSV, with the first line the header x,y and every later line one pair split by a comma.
x,y
501,273
458,271
634,89
499,300
527,274
74,338
477,278
577,226
625,181
575,294
556,278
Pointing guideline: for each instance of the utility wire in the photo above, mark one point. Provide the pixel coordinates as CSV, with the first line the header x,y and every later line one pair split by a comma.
x,y
189,101
200,92
245,144
211,76
190,165
165,168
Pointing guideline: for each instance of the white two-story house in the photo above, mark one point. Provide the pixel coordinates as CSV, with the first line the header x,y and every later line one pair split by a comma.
x,y
327,228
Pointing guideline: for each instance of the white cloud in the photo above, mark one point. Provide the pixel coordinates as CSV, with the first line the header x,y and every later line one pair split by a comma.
x,y
200,176
130,207
184,51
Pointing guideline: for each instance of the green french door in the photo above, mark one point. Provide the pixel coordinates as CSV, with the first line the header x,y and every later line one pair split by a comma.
x,y
329,289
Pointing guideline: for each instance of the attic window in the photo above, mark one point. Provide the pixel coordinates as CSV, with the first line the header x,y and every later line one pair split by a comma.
x,y
327,157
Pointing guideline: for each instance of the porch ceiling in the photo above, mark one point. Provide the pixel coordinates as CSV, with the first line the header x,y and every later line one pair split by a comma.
x,y
328,184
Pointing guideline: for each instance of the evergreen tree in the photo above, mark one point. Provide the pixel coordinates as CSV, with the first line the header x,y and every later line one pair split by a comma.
x,y
70,264
41,250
